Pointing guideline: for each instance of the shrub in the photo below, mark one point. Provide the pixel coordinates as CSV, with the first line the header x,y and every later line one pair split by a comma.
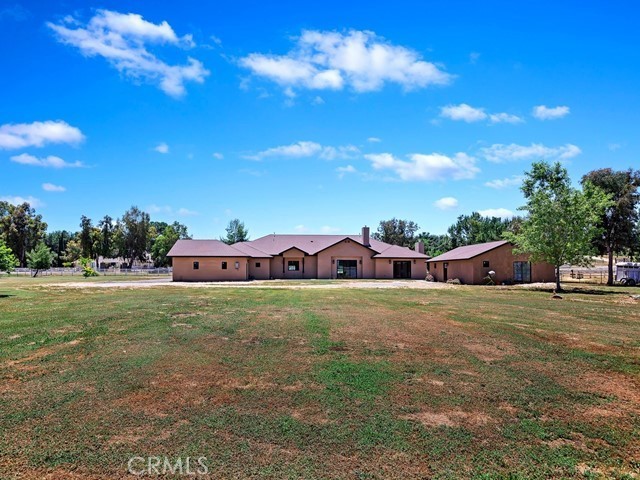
x,y
454,281
87,271
430,278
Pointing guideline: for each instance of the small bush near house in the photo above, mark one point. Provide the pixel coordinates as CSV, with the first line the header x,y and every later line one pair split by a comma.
x,y
454,281
430,278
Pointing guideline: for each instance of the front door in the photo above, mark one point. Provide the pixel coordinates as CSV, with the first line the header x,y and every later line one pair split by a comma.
x,y
445,277
402,269
347,269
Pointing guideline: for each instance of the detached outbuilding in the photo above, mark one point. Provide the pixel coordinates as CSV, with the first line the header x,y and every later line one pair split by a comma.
x,y
472,263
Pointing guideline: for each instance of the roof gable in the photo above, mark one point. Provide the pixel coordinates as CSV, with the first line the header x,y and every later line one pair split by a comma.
x,y
396,251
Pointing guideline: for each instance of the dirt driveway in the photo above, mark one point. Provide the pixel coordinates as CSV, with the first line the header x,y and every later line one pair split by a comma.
x,y
276,284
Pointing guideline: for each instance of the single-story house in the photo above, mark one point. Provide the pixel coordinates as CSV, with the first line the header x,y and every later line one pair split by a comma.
x,y
472,263
296,256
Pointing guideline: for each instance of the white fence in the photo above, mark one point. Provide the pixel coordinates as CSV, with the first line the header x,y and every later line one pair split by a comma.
x,y
102,271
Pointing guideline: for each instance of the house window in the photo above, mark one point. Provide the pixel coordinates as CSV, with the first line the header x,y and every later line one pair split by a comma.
x,y
257,264
224,265
196,265
485,264
293,265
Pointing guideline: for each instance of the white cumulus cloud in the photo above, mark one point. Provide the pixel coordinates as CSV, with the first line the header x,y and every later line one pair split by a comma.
x,y
496,212
342,171
426,167
446,203
38,134
18,200
170,211
504,118
162,148
463,112
307,149
217,155
123,39
50,161
500,153
466,113
501,183
51,187
542,112
360,60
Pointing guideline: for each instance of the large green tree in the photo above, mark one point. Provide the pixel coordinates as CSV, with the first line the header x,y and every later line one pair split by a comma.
x,y
21,229
164,241
236,232
619,221
8,260
561,221
397,232
435,245
40,258
475,228
134,235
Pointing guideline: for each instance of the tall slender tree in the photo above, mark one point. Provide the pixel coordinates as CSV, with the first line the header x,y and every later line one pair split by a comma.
x,y
619,221
236,232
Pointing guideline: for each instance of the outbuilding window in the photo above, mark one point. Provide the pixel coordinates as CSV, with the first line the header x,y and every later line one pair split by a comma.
x,y
485,264
257,264
196,265
224,265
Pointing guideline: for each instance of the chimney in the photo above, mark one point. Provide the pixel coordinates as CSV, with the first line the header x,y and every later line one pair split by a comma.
x,y
365,236
419,247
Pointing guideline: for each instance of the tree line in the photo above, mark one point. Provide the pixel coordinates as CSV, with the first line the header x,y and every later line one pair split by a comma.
x,y
25,241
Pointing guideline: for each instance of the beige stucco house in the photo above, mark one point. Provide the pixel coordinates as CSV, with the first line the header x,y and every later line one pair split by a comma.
x,y
472,263
296,257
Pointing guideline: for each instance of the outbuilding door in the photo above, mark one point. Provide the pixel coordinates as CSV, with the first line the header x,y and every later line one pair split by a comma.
x,y
522,272
401,269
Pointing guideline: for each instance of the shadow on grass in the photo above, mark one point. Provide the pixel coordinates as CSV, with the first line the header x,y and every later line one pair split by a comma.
x,y
586,291
6,295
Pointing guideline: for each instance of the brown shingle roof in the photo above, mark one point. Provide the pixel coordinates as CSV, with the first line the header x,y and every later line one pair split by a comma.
x,y
394,251
271,245
468,251
204,248
251,251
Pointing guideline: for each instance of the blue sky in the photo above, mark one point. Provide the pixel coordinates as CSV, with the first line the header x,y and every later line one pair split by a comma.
x,y
308,118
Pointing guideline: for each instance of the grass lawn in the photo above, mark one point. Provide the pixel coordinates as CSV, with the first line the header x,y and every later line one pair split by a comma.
x,y
468,382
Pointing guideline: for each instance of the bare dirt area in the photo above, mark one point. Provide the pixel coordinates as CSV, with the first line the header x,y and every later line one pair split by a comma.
x,y
275,284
